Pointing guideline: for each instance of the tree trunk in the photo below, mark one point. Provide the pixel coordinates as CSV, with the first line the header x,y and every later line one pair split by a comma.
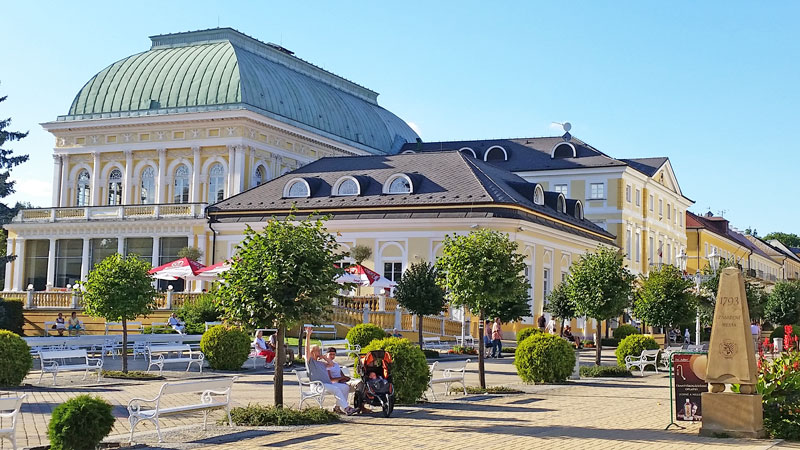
x,y
597,343
481,372
606,328
419,329
124,346
280,357
300,351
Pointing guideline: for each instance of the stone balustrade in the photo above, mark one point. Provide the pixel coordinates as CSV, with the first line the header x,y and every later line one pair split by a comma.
x,y
160,211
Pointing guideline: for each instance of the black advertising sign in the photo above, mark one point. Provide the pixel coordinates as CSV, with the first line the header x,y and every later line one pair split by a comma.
x,y
688,385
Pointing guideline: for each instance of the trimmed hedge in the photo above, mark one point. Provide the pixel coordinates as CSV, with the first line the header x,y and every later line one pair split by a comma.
x,y
263,416
14,319
225,348
525,332
623,331
633,345
364,333
80,423
544,358
15,359
410,372
609,342
605,372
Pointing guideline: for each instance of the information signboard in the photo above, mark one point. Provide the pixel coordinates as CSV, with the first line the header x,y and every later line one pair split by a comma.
x,y
686,371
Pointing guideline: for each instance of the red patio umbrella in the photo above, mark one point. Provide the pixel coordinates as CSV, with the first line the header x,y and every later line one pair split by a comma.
x,y
180,268
370,277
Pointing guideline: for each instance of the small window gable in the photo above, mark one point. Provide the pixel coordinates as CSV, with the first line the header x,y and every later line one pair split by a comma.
x,y
399,183
347,186
496,153
563,150
297,188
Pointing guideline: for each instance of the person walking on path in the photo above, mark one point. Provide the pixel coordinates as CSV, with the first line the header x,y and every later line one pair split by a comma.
x,y
551,326
497,336
487,339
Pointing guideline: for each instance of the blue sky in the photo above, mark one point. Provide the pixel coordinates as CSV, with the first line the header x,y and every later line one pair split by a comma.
x,y
711,85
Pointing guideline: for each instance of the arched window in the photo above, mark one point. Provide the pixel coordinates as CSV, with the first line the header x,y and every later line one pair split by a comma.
x,y
468,151
399,184
579,211
216,183
561,204
563,150
296,188
84,189
181,192
115,187
259,176
538,195
347,186
496,153
148,194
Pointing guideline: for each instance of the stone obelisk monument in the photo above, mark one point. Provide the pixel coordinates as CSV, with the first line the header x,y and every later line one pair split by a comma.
x,y
732,360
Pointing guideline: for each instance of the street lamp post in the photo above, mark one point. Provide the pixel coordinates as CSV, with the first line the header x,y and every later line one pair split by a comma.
x,y
683,258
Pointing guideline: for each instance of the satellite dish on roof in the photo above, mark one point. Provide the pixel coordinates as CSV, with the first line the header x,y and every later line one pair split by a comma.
x,y
566,126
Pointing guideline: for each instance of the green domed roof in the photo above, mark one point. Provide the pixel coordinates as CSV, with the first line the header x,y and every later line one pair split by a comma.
x,y
224,69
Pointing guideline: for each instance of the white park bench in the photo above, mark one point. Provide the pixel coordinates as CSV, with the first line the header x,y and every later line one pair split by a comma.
x,y
160,354
309,389
9,409
50,326
156,326
328,330
468,341
436,343
212,324
266,332
451,372
214,394
666,355
117,327
55,361
647,358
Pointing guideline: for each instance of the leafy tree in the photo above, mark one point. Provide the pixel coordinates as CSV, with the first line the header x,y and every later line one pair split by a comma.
x,y
419,292
281,276
193,253
783,304
119,289
360,253
601,288
663,298
560,305
483,272
8,162
787,239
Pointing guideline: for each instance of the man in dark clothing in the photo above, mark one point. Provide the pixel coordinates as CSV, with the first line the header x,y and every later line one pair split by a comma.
x,y
542,323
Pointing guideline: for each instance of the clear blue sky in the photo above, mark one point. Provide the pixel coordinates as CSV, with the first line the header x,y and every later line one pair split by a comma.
x,y
712,85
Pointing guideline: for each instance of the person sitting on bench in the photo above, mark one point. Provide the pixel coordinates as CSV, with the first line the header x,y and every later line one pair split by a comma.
x,y
176,324
571,337
74,324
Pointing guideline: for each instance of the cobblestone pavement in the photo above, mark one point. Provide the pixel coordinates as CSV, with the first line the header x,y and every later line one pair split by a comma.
x,y
596,414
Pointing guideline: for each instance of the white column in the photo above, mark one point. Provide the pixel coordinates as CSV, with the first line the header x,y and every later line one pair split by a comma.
x,y
56,180
162,168
64,181
96,179
20,265
9,283
51,264
121,245
155,257
239,174
194,195
85,259
231,169
126,178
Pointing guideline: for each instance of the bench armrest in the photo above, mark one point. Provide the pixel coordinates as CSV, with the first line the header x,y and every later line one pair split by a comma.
x,y
97,361
135,404
208,396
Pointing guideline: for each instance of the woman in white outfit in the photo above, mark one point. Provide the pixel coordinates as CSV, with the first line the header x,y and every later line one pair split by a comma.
x,y
318,371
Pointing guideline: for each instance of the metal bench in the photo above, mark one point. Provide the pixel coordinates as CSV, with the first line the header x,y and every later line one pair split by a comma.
x,y
647,358
117,326
160,354
435,342
155,326
9,409
55,361
468,341
212,324
451,372
309,389
51,326
214,394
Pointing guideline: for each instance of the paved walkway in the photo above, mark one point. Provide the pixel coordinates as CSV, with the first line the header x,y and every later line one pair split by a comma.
x,y
597,414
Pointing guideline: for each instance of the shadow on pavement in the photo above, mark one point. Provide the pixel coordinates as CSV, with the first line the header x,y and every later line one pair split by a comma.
x,y
301,440
233,437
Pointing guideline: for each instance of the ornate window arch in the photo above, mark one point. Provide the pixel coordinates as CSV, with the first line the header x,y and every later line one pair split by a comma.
x,y
297,188
495,153
561,204
398,183
216,183
83,189
115,187
147,185
260,175
538,195
347,185
181,184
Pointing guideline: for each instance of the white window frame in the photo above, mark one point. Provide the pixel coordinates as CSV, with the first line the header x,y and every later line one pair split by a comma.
x,y
652,200
291,183
628,243
562,188
638,197
538,195
599,193
389,181
628,193
651,251
341,181
637,246
495,147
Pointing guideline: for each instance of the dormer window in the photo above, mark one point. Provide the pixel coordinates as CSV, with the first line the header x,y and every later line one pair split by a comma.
x,y
297,188
563,150
579,210
347,186
398,184
538,195
468,151
561,204
496,153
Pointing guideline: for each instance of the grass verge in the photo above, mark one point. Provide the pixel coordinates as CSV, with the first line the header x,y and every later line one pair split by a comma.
x,y
131,375
488,390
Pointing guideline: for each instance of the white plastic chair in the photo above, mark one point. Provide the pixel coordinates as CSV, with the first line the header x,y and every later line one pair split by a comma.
x,y
12,404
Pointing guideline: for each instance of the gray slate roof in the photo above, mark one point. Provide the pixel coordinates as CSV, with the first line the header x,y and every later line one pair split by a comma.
x,y
440,178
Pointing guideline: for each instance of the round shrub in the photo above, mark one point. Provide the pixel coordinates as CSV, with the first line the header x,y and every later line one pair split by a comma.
x,y
364,333
525,332
633,346
225,348
80,423
410,373
623,331
544,358
15,359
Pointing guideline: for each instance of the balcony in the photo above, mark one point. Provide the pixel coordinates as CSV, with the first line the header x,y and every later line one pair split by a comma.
x,y
128,212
